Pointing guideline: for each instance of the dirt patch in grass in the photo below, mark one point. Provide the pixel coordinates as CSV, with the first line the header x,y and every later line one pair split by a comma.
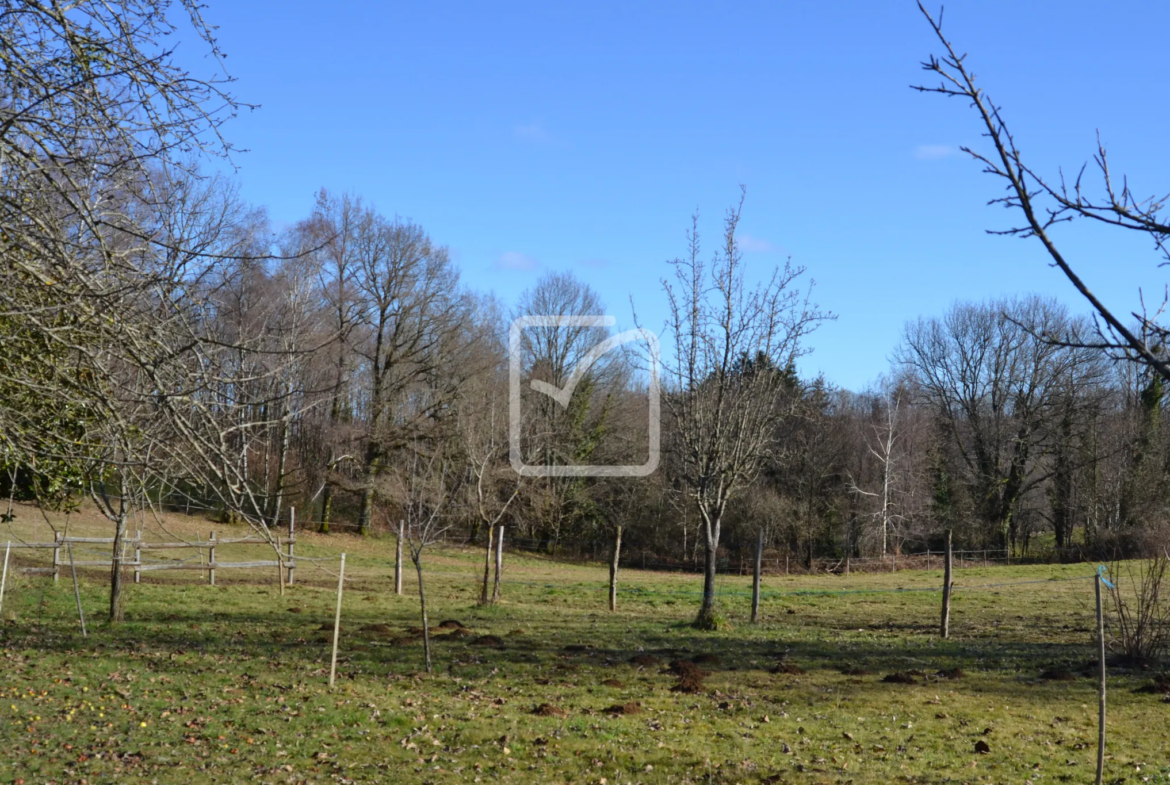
x,y
951,673
624,709
1057,674
855,671
705,659
295,610
549,710
1159,686
451,624
461,632
645,661
900,677
613,683
490,641
791,668
375,630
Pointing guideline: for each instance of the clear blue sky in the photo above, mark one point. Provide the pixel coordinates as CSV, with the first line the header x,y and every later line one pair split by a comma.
x,y
549,136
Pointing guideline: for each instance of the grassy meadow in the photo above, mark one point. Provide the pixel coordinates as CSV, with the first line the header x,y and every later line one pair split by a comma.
x,y
228,683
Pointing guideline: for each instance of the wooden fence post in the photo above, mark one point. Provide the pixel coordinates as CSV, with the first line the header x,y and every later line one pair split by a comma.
x,y
337,622
4,575
398,558
292,538
1100,683
613,569
56,556
138,560
756,576
211,559
945,628
77,591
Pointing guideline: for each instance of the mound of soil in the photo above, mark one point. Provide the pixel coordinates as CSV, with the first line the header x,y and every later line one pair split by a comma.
x,y
1057,674
645,661
488,640
451,624
517,632
567,666
1159,686
613,683
376,630
951,673
705,659
899,678
461,632
624,708
690,676
982,747
549,710
405,640
295,610
855,671
790,668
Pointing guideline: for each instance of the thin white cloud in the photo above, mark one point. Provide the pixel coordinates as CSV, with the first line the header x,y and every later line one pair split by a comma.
x,y
750,244
536,133
933,152
514,260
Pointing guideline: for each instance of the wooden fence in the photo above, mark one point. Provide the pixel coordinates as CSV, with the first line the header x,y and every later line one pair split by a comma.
x,y
61,542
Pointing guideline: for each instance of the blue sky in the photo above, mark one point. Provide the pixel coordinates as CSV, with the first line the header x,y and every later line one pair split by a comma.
x,y
549,136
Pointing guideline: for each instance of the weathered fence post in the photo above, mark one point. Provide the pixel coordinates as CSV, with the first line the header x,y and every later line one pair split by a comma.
x,y
76,591
756,576
945,628
211,558
499,564
786,564
847,565
4,575
1100,682
613,569
56,556
398,558
138,558
337,622
292,538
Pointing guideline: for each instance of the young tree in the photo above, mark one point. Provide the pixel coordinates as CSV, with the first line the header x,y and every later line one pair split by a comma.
x,y
724,375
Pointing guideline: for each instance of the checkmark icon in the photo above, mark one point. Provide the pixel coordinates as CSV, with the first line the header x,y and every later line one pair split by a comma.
x,y
563,395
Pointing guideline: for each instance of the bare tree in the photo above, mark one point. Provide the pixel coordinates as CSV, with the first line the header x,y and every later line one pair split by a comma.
x,y
724,374
412,313
996,385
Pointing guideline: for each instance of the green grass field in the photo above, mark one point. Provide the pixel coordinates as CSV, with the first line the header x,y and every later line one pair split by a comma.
x,y
229,683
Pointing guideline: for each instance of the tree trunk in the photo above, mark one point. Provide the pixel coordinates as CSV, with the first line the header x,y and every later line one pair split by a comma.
x,y
499,564
422,601
326,507
367,508
487,565
116,611
613,569
706,619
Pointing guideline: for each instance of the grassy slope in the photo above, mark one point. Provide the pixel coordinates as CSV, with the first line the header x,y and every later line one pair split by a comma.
x,y
225,684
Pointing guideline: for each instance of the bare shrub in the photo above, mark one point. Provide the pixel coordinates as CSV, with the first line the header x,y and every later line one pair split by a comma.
x,y
1141,609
